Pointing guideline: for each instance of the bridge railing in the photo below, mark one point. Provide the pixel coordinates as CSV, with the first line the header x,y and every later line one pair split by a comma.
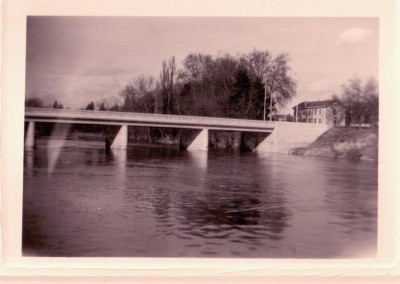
x,y
134,116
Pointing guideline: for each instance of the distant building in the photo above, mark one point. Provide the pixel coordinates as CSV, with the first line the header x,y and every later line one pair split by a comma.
x,y
328,112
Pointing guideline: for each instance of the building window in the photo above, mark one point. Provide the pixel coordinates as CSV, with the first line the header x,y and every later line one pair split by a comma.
x,y
315,120
319,111
319,120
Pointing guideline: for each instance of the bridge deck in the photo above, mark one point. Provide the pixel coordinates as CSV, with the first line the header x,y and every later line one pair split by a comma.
x,y
145,119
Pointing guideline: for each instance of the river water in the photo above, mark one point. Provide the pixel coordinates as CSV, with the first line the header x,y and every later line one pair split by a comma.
x,y
80,200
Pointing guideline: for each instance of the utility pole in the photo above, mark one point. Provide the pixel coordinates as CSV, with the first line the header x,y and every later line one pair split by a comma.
x,y
270,108
265,96
297,105
297,98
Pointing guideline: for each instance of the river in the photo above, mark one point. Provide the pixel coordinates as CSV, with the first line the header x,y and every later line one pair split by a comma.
x,y
80,200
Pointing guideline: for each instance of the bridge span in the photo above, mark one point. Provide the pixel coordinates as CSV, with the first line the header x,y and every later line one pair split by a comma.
x,y
200,139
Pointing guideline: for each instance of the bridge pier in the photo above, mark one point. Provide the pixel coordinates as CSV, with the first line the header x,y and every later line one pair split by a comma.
x,y
30,135
121,140
237,141
201,141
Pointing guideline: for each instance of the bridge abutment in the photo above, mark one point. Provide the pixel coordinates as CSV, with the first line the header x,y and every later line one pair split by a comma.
x,y
121,140
30,135
289,135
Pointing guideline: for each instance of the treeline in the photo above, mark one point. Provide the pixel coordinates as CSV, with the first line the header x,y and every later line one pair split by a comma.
x,y
238,86
360,101
222,86
36,102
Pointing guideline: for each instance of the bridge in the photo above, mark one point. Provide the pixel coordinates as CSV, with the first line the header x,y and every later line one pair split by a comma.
x,y
201,125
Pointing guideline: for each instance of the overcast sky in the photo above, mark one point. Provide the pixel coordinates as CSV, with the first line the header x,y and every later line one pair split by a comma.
x,y
76,60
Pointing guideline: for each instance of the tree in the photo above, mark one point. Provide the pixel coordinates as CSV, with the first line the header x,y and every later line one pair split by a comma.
x,y
240,99
258,62
206,84
145,87
222,86
115,107
225,68
371,98
139,96
196,68
166,102
57,105
102,107
280,86
34,102
198,85
361,102
258,99
90,106
235,87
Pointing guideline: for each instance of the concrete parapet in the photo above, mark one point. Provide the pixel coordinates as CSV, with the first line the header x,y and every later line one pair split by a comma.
x,y
289,135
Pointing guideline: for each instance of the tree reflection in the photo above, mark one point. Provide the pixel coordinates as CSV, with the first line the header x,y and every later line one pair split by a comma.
x,y
235,212
244,216
161,203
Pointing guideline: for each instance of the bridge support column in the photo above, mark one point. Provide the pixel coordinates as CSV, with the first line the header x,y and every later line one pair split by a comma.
x,y
121,140
201,141
30,135
237,141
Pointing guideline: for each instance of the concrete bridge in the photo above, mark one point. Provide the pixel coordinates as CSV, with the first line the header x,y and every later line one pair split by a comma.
x,y
198,127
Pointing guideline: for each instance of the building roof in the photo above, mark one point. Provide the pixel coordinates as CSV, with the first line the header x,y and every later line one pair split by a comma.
x,y
315,104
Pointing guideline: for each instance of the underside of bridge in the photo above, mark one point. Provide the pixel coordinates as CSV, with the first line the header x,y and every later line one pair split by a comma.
x,y
119,137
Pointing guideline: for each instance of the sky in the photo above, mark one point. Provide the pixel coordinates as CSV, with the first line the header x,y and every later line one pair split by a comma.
x,y
76,60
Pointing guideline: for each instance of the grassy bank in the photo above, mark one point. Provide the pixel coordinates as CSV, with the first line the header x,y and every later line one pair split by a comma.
x,y
343,143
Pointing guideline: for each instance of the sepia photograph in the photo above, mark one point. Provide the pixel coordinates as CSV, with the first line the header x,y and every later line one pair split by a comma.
x,y
201,137
199,141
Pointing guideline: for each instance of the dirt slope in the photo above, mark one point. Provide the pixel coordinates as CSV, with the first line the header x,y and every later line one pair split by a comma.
x,y
344,143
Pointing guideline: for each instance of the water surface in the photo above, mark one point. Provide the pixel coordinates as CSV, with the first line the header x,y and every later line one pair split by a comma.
x,y
159,202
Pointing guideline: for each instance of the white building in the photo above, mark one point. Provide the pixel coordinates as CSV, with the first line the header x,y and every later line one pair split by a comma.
x,y
323,112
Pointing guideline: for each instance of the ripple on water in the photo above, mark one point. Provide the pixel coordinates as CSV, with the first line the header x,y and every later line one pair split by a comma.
x,y
168,204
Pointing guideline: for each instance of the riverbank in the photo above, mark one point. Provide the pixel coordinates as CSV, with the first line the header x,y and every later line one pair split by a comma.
x,y
341,142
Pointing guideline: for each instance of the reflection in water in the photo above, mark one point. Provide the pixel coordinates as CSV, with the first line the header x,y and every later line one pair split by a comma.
x,y
170,203
28,158
57,140
199,158
351,204
120,157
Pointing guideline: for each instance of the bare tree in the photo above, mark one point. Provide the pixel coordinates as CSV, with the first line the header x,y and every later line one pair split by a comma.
x,y
145,87
139,96
258,61
371,98
361,102
166,86
280,86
